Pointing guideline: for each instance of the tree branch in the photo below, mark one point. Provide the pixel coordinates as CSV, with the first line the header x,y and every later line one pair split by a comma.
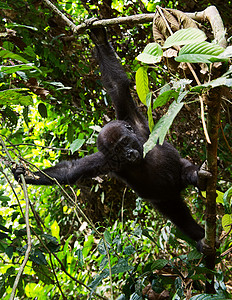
x,y
210,14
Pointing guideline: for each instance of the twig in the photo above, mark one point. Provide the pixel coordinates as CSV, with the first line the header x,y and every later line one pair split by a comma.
x,y
57,281
26,257
225,139
27,253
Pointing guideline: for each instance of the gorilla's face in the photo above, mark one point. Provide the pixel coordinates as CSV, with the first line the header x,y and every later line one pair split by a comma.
x,y
118,141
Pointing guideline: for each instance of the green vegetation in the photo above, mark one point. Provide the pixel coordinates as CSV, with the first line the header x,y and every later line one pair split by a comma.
x,y
96,240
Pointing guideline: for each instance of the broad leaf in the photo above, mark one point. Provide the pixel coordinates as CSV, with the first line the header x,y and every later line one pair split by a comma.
x,y
201,53
121,267
17,68
141,79
42,110
227,200
214,83
159,264
164,98
208,297
151,54
227,223
161,128
11,55
16,96
76,145
185,36
149,111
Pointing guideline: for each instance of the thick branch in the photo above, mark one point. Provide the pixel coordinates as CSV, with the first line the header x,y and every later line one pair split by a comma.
x,y
210,14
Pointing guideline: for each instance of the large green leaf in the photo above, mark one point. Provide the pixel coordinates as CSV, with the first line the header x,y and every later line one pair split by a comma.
x,y
17,68
226,223
208,297
203,52
76,145
185,36
164,98
142,88
161,128
151,54
149,111
212,84
16,96
11,55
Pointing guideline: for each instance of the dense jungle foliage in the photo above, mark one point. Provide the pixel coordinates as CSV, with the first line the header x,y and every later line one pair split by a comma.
x,y
97,240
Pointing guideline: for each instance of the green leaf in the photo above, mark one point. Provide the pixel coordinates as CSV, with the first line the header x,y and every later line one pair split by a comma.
x,y
185,36
16,96
42,109
163,98
25,115
17,68
87,245
80,257
219,198
121,267
194,254
76,145
70,133
38,257
159,264
9,251
55,230
161,128
212,84
227,199
151,54
208,297
107,237
142,88
11,55
43,273
98,279
227,223
149,111
129,250
201,53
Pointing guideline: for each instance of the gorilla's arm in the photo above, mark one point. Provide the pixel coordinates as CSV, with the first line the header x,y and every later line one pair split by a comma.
x,y
116,82
194,174
68,172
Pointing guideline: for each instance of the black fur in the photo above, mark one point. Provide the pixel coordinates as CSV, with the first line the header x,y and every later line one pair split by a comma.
x,y
158,178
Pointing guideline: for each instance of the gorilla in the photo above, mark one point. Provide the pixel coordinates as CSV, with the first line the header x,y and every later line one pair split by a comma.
x,y
159,177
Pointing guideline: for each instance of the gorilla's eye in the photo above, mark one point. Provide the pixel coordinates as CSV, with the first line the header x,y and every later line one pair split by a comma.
x,y
129,127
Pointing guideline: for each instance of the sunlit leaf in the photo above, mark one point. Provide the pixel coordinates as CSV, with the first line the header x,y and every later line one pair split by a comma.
x,y
227,223
76,145
201,53
163,98
151,54
162,126
142,84
16,96
55,230
11,55
185,36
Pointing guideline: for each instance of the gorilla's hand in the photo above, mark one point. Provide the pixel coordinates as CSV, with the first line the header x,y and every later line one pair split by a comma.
x,y
17,171
205,248
203,176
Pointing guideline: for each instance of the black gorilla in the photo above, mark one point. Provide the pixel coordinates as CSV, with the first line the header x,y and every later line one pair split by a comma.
x,y
158,178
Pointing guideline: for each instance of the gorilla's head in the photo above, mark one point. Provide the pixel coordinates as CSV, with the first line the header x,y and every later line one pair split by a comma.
x,y
118,141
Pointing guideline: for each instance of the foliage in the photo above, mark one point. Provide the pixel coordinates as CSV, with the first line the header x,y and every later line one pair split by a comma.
x,y
53,104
